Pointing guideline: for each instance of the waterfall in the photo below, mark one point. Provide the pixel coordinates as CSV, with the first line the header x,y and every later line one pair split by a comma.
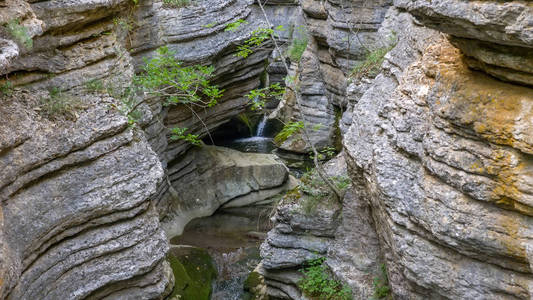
x,y
261,127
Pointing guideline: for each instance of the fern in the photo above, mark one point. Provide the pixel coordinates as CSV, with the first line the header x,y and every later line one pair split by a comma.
x,y
288,130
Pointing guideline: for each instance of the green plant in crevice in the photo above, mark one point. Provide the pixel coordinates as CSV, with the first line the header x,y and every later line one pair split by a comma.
x,y
210,25
177,3
6,89
298,44
319,284
233,26
95,85
297,48
19,33
122,23
59,104
324,153
317,192
371,65
288,130
381,284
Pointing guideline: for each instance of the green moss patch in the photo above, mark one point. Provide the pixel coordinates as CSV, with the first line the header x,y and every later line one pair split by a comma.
x,y
194,273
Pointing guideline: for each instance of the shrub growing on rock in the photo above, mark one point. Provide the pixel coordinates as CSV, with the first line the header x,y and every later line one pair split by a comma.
x,y
319,284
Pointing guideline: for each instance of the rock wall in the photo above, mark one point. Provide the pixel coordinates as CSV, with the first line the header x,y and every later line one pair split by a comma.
x,y
442,150
340,34
83,192
438,147
77,215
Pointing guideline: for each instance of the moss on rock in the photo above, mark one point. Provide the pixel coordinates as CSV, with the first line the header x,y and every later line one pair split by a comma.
x,y
194,273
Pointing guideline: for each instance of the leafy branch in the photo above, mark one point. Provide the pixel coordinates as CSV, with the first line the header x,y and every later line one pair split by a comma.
x,y
305,131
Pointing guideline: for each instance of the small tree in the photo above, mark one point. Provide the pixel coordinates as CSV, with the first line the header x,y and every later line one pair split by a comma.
x,y
262,35
165,76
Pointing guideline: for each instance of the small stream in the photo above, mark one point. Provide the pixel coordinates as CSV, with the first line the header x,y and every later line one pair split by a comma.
x,y
261,142
232,239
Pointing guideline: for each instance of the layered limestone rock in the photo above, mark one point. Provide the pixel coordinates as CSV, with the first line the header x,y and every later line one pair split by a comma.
x,y
307,228
211,177
439,155
341,34
296,238
76,205
81,190
442,152
495,37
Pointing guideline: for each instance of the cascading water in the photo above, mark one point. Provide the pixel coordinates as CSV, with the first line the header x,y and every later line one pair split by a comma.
x,y
261,127
259,143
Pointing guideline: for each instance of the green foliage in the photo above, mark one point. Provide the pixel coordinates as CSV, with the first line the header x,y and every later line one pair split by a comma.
x,y
123,23
258,37
297,48
246,120
317,191
235,25
95,85
180,134
324,153
288,130
342,182
210,25
177,3
317,283
19,33
129,101
6,89
165,76
381,284
258,97
298,45
59,104
371,66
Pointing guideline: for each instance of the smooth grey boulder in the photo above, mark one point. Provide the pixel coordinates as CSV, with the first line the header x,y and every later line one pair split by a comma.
x,y
210,177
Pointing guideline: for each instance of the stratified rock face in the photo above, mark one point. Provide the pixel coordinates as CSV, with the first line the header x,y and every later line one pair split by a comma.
x,y
77,216
211,177
81,194
304,231
496,37
296,238
341,34
443,155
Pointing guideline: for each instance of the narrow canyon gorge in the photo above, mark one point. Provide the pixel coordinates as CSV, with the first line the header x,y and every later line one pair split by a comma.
x,y
335,149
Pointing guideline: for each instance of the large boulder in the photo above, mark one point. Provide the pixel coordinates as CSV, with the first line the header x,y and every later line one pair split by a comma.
x,y
211,177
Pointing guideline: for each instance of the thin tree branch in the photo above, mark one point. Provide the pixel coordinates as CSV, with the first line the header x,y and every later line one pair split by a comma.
x,y
318,167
